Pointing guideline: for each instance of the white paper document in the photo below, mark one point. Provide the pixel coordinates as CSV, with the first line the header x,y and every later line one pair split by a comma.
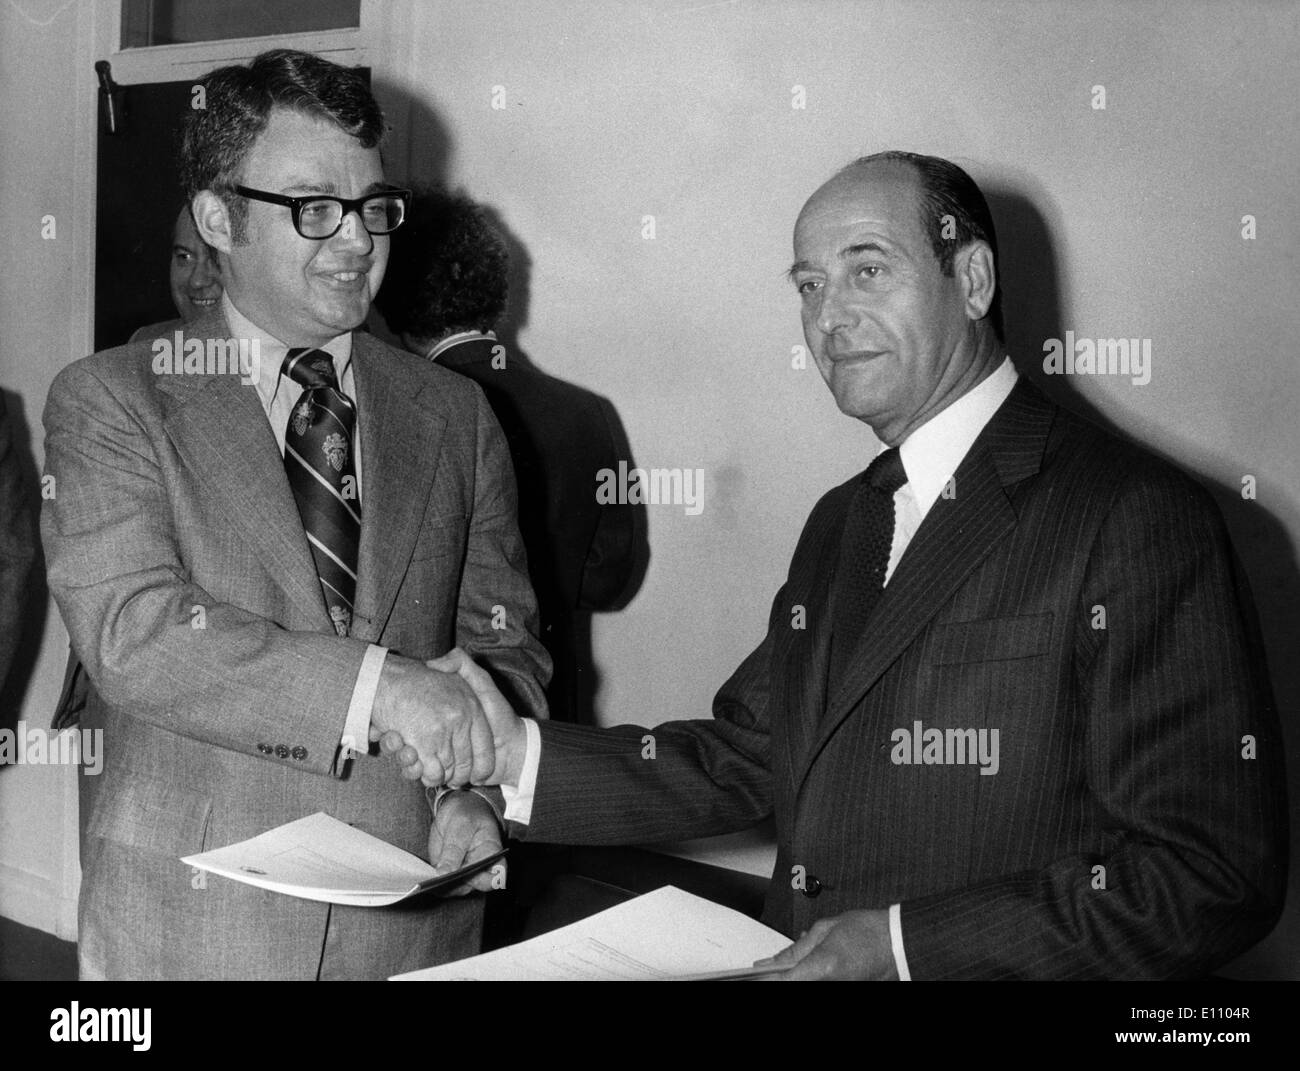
x,y
321,858
663,936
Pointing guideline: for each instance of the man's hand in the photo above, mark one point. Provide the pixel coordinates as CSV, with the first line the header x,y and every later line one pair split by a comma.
x,y
507,728
466,830
854,946
438,718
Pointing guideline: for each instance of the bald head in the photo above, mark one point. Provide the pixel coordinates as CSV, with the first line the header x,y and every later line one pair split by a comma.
x,y
884,192
896,339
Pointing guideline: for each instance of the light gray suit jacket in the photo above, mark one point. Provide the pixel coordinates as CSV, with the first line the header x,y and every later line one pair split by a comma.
x,y
178,560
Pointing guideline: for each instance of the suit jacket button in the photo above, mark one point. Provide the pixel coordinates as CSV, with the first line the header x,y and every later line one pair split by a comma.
x,y
299,753
812,887
265,749
281,751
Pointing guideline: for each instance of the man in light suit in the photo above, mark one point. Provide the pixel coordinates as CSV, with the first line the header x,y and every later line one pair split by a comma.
x,y
1042,581
193,277
245,633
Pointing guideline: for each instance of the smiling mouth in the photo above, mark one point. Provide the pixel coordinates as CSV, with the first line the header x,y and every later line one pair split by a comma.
x,y
348,280
202,302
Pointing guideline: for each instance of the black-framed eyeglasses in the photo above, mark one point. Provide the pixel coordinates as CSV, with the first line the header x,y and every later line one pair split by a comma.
x,y
319,217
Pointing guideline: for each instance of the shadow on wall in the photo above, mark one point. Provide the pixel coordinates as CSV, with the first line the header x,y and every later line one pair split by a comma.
x,y
1032,307
582,557
512,324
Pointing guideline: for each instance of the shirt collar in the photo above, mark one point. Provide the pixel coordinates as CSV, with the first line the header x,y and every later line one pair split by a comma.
x,y
933,451
456,339
272,350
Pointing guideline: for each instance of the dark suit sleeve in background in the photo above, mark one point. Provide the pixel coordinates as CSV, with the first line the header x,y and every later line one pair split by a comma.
x,y
611,558
17,547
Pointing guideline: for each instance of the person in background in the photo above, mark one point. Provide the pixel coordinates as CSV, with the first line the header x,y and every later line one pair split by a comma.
x,y
445,291
18,554
193,275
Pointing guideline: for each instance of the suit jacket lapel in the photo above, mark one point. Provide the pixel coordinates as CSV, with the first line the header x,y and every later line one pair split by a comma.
x,y
956,535
802,656
220,430
401,434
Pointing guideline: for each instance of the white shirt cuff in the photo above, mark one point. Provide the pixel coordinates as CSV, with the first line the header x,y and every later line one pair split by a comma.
x,y
519,798
356,729
435,796
896,939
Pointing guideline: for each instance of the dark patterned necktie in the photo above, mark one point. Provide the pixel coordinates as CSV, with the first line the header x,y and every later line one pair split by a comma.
x,y
322,472
864,555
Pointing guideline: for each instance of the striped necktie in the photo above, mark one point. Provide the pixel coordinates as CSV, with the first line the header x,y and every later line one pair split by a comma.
x,y
322,472
865,544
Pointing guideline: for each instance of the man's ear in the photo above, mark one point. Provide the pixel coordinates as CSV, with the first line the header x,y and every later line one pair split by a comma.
x,y
212,220
974,269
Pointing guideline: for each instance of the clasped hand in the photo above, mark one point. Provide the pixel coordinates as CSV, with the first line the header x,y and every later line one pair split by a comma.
x,y
446,723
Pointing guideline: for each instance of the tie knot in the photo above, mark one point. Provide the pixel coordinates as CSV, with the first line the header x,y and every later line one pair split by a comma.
x,y
886,472
310,368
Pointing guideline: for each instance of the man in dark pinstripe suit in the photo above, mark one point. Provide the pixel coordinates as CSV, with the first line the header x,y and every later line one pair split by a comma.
x,y
1051,752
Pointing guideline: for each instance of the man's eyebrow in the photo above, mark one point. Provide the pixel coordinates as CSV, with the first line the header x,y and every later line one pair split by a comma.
x,y
330,189
309,186
844,254
864,247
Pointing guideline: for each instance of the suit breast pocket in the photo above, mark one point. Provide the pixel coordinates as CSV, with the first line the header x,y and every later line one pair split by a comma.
x,y
994,639
152,815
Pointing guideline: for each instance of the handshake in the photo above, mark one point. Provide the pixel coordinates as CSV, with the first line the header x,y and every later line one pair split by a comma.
x,y
446,722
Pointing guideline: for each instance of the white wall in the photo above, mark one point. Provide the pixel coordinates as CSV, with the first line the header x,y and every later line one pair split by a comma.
x,y
1124,222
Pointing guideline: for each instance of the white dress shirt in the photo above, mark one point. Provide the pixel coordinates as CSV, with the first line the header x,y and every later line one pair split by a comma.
x,y
930,455
278,395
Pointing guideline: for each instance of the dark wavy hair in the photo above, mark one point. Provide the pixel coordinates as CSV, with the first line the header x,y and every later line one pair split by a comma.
x,y
946,190
448,268
237,103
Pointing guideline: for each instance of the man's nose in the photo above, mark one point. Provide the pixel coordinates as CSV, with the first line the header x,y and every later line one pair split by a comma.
x,y
834,313
206,273
352,234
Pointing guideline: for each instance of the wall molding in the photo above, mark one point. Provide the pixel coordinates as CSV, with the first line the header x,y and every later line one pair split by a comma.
x,y
38,901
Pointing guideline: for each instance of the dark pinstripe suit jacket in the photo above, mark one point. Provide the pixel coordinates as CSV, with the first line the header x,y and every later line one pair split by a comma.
x,y
1121,747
